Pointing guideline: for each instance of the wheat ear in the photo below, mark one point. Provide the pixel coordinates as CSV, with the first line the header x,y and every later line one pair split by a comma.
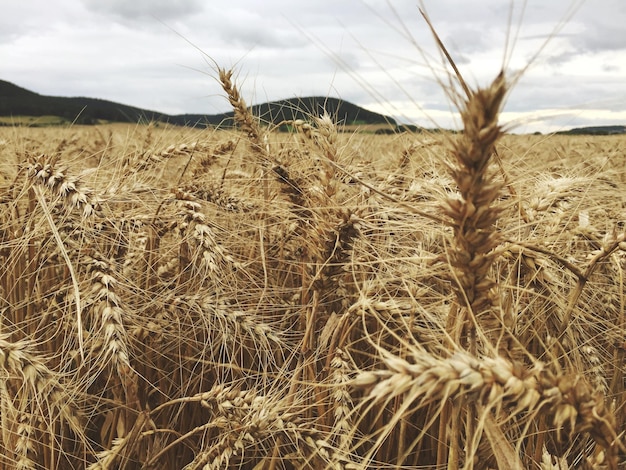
x,y
472,214
569,402
243,117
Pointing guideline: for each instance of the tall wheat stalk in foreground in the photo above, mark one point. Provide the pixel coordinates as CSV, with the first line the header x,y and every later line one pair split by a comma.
x,y
313,299
481,323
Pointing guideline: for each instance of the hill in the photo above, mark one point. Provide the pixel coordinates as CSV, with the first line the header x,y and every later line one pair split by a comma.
x,y
276,112
35,109
18,101
596,130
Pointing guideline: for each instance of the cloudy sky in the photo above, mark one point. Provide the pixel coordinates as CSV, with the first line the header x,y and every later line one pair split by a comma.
x,y
157,54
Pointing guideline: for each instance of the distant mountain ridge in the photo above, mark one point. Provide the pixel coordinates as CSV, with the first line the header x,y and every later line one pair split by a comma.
x,y
18,101
596,130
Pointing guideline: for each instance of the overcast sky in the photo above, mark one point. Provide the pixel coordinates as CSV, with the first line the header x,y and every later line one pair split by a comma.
x,y
149,53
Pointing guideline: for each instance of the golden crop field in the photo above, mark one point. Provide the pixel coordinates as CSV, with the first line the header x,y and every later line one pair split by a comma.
x,y
207,299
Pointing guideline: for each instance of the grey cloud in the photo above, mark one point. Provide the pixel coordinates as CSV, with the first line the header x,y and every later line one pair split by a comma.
x,y
165,10
468,40
601,37
596,29
602,28
566,92
596,38
534,98
12,22
250,29
611,68
29,18
558,59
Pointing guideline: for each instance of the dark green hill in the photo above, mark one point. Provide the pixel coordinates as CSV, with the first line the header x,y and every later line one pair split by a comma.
x,y
8,89
276,112
596,130
17,101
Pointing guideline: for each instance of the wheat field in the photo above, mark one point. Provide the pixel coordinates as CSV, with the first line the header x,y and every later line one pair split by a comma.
x,y
176,298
